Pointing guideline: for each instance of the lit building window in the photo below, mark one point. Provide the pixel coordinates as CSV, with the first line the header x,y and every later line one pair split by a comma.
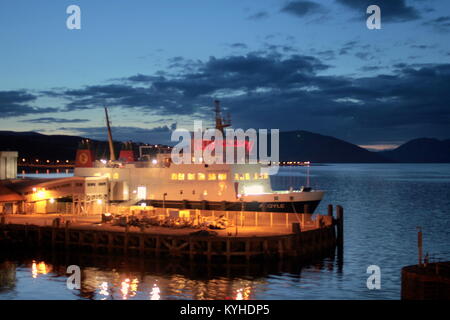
x,y
222,176
201,176
265,176
191,176
181,176
174,176
236,176
256,177
116,176
212,176
247,176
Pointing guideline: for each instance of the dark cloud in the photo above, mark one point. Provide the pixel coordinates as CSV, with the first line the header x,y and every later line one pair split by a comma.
x,y
187,93
238,45
371,68
302,8
144,78
348,46
441,23
422,46
326,54
291,92
363,55
17,103
258,15
51,120
391,10
159,134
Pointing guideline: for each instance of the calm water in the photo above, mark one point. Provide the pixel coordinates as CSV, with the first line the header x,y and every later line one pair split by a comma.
x,y
384,204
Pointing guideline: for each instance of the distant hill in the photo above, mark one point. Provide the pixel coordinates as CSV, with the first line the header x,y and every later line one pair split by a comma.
x,y
32,145
423,150
36,145
308,146
294,146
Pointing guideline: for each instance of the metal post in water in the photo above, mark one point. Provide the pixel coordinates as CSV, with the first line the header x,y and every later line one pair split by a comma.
x,y
419,244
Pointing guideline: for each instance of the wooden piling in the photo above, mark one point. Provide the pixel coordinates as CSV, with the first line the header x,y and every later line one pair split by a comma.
x,y
296,228
110,243
340,226
330,210
66,235
142,244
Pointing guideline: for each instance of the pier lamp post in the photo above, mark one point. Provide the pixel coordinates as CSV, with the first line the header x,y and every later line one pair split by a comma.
x,y
242,209
164,200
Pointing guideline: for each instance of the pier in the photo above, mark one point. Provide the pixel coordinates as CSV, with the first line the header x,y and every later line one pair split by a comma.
x,y
309,236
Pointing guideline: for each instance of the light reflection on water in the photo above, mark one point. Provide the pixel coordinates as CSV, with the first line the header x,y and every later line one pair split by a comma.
x,y
384,203
143,279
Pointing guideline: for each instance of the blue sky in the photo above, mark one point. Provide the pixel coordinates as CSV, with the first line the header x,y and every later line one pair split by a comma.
x,y
274,64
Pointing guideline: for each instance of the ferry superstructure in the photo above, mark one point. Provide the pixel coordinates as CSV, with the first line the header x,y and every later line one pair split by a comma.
x,y
157,181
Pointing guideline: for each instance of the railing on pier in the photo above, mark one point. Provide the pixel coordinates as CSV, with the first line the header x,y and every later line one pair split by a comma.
x,y
272,220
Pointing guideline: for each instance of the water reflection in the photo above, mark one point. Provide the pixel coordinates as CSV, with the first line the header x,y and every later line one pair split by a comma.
x,y
7,276
125,285
116,278
104,290
154,294
384,203
39,268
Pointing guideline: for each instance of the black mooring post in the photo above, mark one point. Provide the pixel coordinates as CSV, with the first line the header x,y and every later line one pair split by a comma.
x,y
340,229
330,210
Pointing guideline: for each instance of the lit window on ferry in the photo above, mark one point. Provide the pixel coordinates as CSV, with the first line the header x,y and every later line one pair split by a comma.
x,y
174,176
222,176
181,176
191,176
205,193
212,176
201,176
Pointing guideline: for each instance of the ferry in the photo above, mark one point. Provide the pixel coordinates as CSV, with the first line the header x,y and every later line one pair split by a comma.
x,y
152,179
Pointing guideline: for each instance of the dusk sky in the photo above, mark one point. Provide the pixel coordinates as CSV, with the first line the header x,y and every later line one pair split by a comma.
x,y
291,65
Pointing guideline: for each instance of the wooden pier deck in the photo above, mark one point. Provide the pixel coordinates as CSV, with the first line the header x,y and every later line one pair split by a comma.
x,y
249,243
